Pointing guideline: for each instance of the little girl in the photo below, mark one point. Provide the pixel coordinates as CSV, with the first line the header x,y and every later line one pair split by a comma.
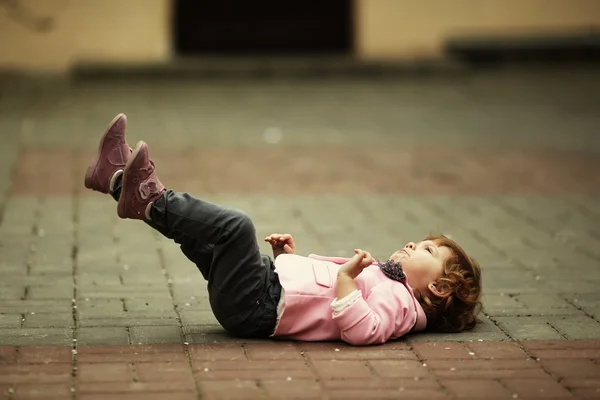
x,y
431,284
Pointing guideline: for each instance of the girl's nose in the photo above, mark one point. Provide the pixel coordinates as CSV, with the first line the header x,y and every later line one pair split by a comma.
x,y
410,245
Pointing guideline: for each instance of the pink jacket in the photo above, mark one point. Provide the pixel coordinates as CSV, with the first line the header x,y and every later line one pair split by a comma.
x,y
387,309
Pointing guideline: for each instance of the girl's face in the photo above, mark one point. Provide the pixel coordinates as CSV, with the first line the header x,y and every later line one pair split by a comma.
x,y
423,263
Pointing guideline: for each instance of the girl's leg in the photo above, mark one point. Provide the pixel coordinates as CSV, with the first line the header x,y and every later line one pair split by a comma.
x,y
239,278
199,253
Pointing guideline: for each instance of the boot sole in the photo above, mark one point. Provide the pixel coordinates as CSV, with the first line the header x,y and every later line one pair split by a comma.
x,y
121,206
94,165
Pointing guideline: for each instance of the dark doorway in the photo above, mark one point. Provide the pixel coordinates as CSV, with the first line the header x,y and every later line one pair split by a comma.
x,y
263,27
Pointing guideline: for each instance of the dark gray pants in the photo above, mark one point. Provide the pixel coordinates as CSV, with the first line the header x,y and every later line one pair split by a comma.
x,y
243,288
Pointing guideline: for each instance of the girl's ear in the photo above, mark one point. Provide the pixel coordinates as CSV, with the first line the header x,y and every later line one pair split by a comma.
x,y
435,291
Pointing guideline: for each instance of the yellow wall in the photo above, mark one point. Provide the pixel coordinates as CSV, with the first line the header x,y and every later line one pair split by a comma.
x,y
418,28
119,31
139,31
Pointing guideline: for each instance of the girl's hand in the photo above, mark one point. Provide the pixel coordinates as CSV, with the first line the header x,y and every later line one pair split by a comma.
x,y
281,244
361,260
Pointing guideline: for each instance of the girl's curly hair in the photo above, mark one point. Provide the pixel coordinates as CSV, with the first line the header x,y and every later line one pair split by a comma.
x,y
460,284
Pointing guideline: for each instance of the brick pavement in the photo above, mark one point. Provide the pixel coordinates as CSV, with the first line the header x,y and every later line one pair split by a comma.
x,y
507,163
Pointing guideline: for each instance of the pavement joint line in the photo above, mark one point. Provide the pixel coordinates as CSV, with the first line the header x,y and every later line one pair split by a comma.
x,y
311,367
564,336
537,361
261,388
367,364
505,331
134,374
244,351
576,305
129,338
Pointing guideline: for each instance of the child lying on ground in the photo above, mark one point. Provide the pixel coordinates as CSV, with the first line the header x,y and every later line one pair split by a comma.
x,y
430,285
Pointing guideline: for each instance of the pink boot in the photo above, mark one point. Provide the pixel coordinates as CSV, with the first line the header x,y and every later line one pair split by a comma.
x,y
140,185
110,160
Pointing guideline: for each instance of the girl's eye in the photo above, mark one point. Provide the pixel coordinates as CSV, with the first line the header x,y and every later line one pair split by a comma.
x,y
429,250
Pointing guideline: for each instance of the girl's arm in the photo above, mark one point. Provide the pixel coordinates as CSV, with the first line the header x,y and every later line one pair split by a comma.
x,y
387,312
345,285
281,244
349,271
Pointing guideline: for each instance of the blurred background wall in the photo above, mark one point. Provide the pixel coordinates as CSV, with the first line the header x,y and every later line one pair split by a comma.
x,y
56,35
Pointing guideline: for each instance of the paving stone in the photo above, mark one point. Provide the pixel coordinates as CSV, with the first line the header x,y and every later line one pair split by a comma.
x,y
132,389
156,334
350,369
496,350
35,306
92,280
528,328
8,354
45,354
111,292
192,300
12,292
102,335
563,349
214,352
399,369
12,270
99,307
127,320
277,370
542,387
34,336
131,353
442,350
339,351
166,372
49,320
35,374
212,334
576,327
545,304
105,372
50,292
510,281
588,303
37,280
10,320
485,330
272,351
302,388
198,318
572,368
149,304
238,389
493,389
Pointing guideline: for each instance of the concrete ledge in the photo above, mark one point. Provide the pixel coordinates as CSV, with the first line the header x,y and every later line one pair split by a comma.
x,y
268,68
535,48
